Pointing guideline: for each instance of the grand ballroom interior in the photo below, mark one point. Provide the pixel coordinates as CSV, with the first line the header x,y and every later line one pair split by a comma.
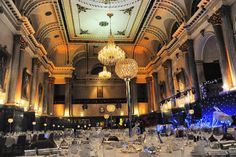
x,y
126,78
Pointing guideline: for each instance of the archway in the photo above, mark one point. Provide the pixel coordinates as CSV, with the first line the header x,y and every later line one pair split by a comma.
x,y
211,67
211,56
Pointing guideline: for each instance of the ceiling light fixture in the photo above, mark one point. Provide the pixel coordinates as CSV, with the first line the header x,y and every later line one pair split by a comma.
x,y
104,74
111,53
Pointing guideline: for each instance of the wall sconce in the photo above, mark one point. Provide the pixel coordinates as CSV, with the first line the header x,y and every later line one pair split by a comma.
x,y
45,126
191,111
111,108
10,121
106,116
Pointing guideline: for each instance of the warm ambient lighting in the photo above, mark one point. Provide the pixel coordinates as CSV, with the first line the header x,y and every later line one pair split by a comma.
x,y
104,74
33,123
111,108
10,120
126,68
106,116
45,124
191,111
111,53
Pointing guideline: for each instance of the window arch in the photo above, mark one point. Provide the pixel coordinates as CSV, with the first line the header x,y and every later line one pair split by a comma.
x,y
174,28
97,69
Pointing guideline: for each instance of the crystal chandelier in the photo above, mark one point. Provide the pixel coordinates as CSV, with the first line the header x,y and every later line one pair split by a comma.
x,y
111,53
127,69
104,74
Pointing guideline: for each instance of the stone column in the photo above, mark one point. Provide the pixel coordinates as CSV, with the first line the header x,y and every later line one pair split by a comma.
x,y
157,97
200,71
51,95
169,78
229,39
150,94
134,96
187,47
187,70
68,97
216,21
19,46
45,96
35,69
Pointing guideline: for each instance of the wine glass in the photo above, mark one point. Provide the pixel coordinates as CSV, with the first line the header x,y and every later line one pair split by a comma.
x,y
195,131
218,133
169,129
207,133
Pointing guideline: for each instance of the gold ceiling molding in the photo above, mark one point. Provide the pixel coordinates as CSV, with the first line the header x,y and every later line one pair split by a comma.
x,y
161,36
115,4
46,29
11,9
27,25
30,5
82,28
174,8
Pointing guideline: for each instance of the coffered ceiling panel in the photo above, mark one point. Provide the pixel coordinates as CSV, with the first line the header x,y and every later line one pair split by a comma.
x,y
87,20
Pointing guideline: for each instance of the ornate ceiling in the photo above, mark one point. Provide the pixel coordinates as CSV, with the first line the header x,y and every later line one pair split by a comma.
x,y
70,28
87,20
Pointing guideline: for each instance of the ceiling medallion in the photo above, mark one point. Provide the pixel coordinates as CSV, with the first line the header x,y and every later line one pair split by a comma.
x,y
104,74
103,23
111,53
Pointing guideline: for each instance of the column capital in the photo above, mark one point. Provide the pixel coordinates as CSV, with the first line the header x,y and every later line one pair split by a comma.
x,y
51,80
224,10
155,74
167,63
68,80
19,39
186,45
36,62
148,79
215,19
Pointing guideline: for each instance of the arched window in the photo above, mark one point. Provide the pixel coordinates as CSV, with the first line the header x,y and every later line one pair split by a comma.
x,y
174,28
96,69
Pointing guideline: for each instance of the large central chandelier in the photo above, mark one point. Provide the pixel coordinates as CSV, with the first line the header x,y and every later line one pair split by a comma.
x,y
104,74
111,53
